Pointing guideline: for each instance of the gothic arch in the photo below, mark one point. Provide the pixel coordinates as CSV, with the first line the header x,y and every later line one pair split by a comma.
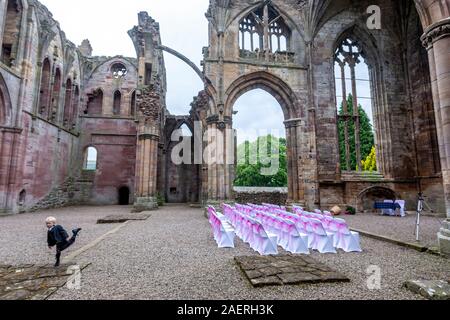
x,y
368,196
367,41
5,103
112,61
268,82
176,125
68,103
12,30
44,89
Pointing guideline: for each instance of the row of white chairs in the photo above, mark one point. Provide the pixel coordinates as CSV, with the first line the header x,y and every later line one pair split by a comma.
x,y
266,227
252,231
344,238
223,231
325,232
312,231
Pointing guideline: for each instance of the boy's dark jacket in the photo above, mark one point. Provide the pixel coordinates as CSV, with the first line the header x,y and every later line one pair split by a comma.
x,y
56,235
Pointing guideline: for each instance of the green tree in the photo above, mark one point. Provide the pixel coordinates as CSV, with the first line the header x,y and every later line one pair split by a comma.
x,y
366,135
251,163
370,164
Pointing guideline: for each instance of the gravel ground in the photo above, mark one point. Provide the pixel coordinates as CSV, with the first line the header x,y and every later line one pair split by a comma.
x,y
399,228
23,238
172,255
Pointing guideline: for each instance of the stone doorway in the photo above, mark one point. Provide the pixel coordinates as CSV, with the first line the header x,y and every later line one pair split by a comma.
x,y
124,196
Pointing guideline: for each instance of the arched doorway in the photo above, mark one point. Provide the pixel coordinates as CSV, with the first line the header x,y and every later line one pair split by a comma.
x,y
261,141
181,173
124,196
291,119
369,196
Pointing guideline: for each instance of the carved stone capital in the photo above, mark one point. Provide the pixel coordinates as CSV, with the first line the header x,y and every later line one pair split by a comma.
x,y
436,32
292,123
148,136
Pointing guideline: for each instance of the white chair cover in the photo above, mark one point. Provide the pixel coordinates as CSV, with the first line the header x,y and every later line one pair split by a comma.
x,y
322,241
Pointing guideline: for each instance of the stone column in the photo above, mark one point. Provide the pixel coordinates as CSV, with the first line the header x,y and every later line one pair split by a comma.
x,y
8,168
149,105
437,41
220,160
299,169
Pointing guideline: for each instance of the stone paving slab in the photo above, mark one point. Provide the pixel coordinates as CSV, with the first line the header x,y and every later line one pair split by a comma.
x,y
121,218
33,282
286,270
432,290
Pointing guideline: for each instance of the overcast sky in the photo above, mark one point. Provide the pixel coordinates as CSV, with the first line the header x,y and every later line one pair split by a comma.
x,y
184,28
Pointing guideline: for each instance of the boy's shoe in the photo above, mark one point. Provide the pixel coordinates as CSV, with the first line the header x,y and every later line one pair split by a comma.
x,y
76,231
57,264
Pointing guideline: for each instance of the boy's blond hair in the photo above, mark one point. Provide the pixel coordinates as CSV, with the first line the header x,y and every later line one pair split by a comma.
x,y
50,220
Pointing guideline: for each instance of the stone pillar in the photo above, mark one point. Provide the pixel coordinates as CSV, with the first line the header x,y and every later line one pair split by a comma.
x,y
8,168
302,164
220,160
149,105
437,41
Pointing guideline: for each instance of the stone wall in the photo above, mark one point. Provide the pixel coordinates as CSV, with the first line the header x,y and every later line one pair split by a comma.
x,y
277,196
60,196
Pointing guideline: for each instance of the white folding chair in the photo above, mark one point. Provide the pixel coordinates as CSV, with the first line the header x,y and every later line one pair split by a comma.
x,y
266,243
297,241
224,233
345,239
323,241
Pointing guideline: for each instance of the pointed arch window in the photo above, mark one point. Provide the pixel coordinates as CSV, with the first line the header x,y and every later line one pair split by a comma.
x,y
44,93
2,108
55,95
117,103
11,27
90,159
74,107
355,107
264,29
68,104
133,104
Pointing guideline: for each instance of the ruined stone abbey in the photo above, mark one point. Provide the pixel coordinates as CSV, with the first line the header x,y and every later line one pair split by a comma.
x,y
81,129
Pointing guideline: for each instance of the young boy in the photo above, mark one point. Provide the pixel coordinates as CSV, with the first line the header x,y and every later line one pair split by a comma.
x,y
57,236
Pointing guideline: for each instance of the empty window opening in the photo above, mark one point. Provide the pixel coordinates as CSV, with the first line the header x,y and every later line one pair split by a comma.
x,y
133,104
264,29
68,104
44,94
90,161
117,103
11,32
75,103
56,94
119,71
355,115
